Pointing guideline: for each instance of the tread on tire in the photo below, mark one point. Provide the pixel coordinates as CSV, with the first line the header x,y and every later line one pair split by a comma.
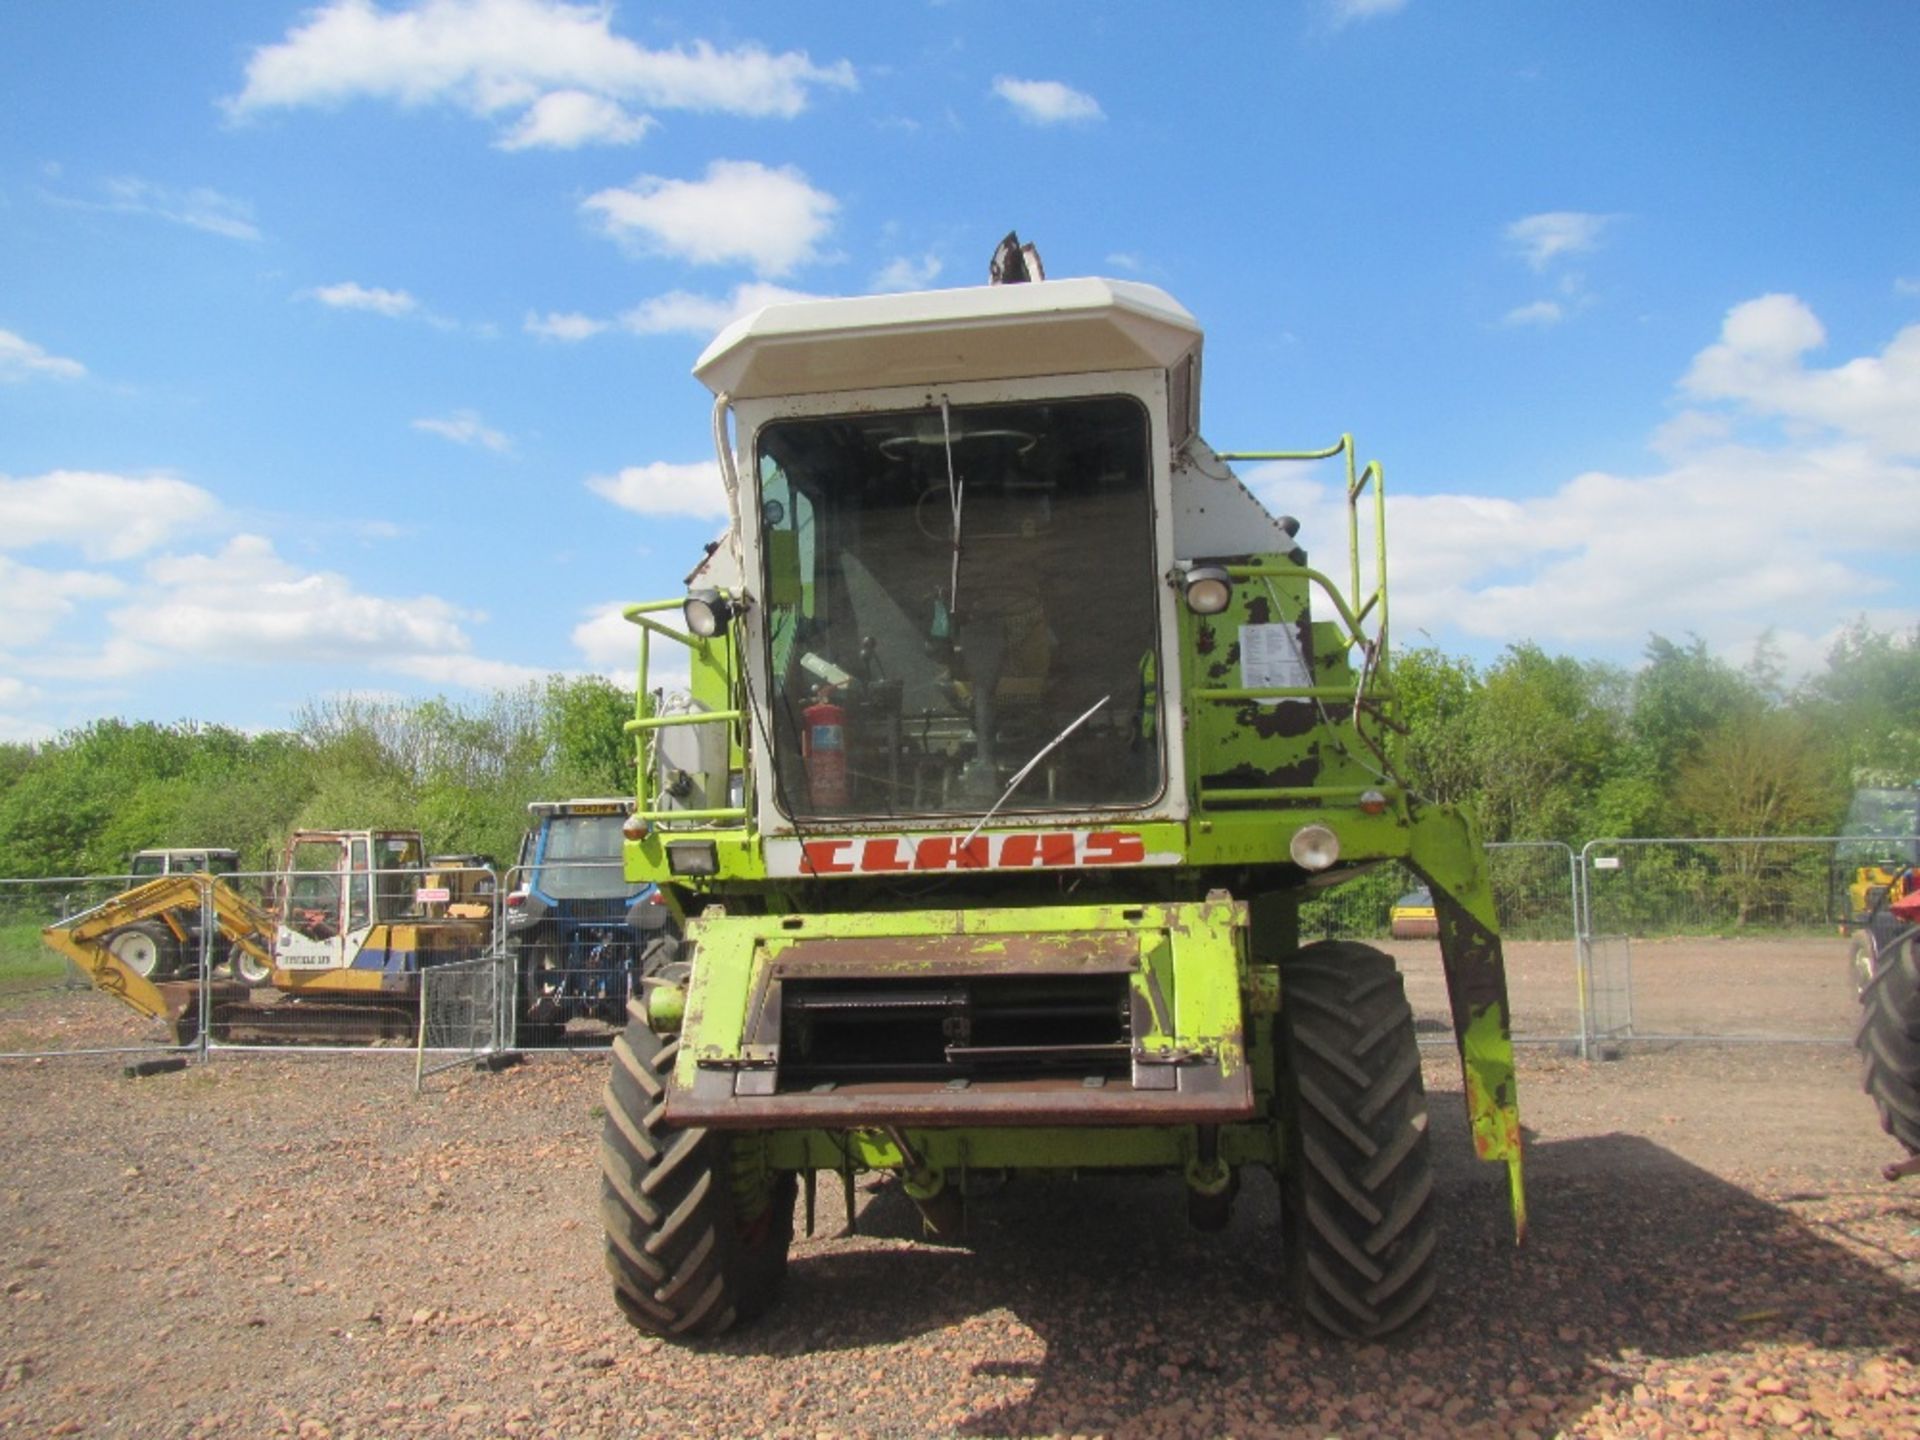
x,y
1357,1215
697,1228
1889,1041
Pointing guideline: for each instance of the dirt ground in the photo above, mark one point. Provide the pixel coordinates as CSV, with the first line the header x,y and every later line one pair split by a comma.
x,y
280,1245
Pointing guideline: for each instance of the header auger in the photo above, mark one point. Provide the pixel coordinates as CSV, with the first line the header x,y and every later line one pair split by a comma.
x,y
1018,731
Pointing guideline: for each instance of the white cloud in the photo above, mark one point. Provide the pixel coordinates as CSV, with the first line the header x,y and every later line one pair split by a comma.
x,y
1796,533
351,295
36,601
19,730
1542,239
607,640
741,212
677,312
21,359
661,488
1540,312
1759,365
680,313
107,517
1689,432
1048,102
465,427
495,57
904,272
1908,286
198,207
568,327
568,119
611,644
470,672
246,605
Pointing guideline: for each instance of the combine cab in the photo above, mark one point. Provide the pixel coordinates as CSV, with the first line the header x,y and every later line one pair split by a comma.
x,y
1018,732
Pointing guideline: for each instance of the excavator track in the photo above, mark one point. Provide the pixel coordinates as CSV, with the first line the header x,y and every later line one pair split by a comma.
x,y
245,1021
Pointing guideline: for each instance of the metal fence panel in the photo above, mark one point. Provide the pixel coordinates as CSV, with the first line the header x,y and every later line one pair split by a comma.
x,y
1535,898
1607,968
1729,939
460,1013
47,1006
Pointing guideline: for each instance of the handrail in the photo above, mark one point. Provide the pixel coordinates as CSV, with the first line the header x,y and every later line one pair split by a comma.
x,y
698,717
645,724
1355,636
1354,608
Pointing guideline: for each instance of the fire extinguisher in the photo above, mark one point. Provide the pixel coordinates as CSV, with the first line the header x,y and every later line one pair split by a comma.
x,y
824,747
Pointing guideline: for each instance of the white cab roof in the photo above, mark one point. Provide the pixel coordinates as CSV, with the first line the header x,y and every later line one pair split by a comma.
x,y
985,332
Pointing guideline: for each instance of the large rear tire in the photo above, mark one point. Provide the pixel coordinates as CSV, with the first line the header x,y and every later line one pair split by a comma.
x,y
1889,1041
697,1226
1356,1217
147,948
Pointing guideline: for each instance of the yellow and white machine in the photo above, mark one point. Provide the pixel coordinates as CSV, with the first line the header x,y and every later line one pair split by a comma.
x,y
351,916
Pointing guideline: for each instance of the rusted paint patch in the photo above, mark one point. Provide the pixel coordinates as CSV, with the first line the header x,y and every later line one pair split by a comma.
x,y
1287,720
1476,968
1251,777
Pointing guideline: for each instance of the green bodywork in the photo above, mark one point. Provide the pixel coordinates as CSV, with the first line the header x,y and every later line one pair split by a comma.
x,y
1202,930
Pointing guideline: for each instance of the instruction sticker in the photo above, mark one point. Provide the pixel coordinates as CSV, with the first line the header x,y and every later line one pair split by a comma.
x,y
1270,659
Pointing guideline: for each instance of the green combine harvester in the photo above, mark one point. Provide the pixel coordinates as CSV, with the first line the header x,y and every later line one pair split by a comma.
x,y
1018,732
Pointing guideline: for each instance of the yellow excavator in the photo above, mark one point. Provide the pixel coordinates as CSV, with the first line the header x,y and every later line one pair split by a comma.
x,y
351,919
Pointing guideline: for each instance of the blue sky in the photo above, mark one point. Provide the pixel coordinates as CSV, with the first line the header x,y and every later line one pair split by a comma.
x,y
346,346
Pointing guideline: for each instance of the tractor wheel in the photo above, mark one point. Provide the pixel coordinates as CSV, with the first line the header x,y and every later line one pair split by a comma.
x,y
697,1226
148,949
1356,1216
547,1033
1889,1043
247,969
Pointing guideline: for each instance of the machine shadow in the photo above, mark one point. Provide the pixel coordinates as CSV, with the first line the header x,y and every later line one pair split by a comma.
x,y
1136,1320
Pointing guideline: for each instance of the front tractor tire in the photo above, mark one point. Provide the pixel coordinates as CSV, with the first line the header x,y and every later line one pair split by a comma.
x,y
147,948
1889,1041
1356,1214
697,1227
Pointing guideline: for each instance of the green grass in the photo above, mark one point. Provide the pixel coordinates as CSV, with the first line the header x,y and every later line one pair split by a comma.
x,y
25,962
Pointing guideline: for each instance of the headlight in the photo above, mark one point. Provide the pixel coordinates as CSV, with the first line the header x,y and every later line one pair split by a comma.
x,y
693,857
707,612
1209,588
1314,847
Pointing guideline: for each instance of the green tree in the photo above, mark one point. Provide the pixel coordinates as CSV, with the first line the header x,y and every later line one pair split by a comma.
x,y
1544,735
1438,696
583,722
1760,773
1869,698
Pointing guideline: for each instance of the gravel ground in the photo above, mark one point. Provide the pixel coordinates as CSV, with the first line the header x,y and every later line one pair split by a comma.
x,y
299,1246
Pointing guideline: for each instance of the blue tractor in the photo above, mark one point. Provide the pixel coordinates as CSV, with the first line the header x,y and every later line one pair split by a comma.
x,y
580,932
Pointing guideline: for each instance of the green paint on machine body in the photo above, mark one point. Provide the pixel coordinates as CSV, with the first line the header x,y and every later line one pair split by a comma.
x,y
990,822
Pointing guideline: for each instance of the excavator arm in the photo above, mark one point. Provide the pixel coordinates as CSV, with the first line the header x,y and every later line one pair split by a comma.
x,y
84,939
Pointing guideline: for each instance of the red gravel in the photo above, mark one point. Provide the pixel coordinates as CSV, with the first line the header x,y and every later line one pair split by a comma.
x,y
281,1246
